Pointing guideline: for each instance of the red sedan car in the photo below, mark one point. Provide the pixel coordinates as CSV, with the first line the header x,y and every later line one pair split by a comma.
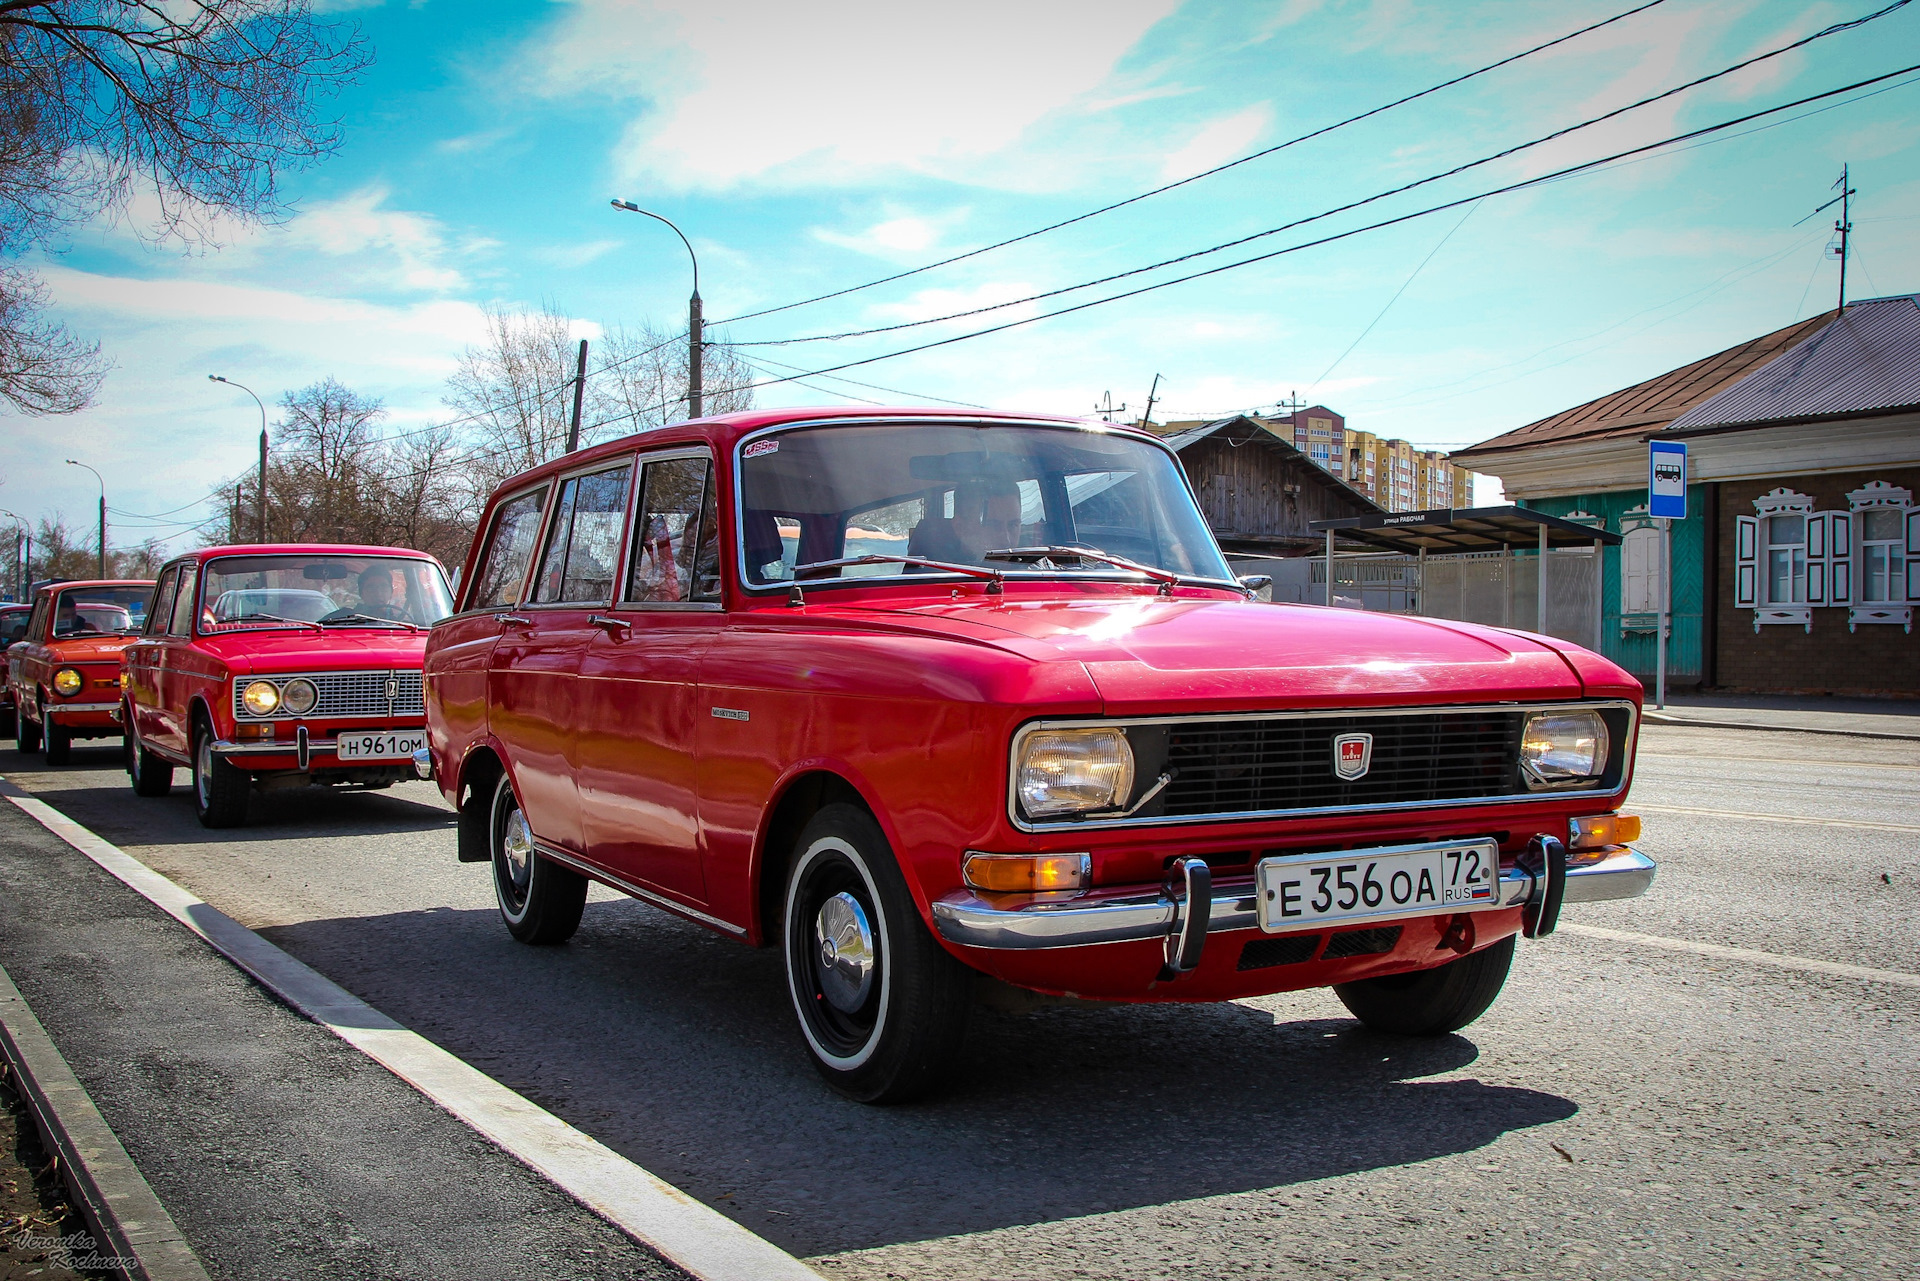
x,y
280,665
63,675
13,628
912,695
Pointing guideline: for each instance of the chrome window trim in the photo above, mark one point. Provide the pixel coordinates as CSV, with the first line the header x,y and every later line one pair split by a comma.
x,y
1012,576
635,496
200,575
1020,736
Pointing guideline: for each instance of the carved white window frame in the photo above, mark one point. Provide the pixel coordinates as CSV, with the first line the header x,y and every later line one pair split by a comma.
x,y
1878,495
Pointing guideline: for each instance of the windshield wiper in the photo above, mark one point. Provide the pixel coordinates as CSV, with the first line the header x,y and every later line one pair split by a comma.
x,y
1166,578
993,576
330,620
271,618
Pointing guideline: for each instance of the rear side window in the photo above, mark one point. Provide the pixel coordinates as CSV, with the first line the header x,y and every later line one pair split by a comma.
x,y
509,552
584,540
162,611
674,553
181,624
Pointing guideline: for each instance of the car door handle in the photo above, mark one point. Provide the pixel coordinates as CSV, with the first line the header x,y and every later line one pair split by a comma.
x,y
616,625
514,620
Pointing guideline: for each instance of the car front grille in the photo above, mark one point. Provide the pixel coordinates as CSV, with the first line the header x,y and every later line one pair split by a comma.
x,y
1225,767
359,694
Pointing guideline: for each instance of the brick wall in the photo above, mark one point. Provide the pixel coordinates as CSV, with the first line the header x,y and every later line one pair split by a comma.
x,y
1873,660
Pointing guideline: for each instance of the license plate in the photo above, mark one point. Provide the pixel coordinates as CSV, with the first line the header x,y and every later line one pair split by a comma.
x,y
383,745
1300,890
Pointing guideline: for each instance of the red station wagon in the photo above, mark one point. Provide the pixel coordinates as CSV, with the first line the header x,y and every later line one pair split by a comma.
x,y
63,675
281,665
913,695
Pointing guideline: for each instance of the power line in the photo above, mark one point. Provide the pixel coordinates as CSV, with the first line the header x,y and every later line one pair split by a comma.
x,y
897,391
1822,34
1145,195
1555,176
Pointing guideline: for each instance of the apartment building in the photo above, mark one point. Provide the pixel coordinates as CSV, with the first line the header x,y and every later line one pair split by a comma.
x,y
1393,473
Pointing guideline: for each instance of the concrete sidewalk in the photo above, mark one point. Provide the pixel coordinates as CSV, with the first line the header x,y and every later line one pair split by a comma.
x,y
279,1150
1862,717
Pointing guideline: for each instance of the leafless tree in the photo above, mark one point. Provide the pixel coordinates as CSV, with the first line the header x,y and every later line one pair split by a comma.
x,y
640,379
512,393
200,104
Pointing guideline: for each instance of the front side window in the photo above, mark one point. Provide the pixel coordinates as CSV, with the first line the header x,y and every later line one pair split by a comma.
x,y
181,624
1883,566
675,546
515,527
966,494
322,592
1786,560
584,540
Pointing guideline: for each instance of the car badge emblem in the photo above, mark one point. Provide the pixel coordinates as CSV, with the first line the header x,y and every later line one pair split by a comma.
x,y
393,689
1352,755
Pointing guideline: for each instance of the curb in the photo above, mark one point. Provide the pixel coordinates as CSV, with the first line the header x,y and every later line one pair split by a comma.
x,y
127,1219
1662,718
685,1232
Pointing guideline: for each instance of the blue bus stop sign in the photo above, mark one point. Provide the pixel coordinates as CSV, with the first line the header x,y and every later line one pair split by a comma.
x,y
1667,479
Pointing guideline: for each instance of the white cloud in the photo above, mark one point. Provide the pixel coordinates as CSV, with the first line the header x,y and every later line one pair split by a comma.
x,y
927,303
1219,141
902,233
800,94
574,256
399,249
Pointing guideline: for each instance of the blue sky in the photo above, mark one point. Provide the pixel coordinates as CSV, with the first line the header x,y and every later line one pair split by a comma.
x,y
808,148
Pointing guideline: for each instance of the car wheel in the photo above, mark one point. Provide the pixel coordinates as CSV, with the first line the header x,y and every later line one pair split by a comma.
x,y
540,900
59,739
1430,1002
26,734
151,775
882,1006
220,789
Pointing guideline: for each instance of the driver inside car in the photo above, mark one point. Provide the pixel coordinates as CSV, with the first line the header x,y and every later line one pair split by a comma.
x,y
986,517
376,595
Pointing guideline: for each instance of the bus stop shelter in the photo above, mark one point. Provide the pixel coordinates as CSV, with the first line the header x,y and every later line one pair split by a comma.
x,y
1475,529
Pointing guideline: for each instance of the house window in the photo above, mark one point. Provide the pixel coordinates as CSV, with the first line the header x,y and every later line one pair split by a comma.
x,y
1883,566
1786,560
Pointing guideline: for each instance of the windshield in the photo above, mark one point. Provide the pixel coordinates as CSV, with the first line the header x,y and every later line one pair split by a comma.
x,y
87,611
326,590
956,492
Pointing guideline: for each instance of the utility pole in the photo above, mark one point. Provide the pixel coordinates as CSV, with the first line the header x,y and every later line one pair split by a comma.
x,y
1843,226
1152,395
579,393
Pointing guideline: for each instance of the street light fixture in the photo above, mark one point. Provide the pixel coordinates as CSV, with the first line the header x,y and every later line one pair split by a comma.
x,y
262,525
695,396
75,462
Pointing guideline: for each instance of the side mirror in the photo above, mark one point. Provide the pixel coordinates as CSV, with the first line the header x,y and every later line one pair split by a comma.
x,y
1258,587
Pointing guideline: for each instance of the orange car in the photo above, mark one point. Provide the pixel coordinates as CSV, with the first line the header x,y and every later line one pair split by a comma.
x,y
64,674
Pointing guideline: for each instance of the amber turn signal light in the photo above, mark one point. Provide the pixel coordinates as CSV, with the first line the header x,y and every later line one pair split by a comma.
x,y
1027,873
1603,829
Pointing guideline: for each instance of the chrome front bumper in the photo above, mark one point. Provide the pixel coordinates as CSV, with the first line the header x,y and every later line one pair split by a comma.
x,y
57,710
303,748
1025,922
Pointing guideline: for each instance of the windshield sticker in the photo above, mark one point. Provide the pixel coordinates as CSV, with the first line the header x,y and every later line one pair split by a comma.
x,y
760,447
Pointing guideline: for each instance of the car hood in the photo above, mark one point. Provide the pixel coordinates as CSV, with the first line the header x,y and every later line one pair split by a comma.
x,y
88,649
266,652
1154,654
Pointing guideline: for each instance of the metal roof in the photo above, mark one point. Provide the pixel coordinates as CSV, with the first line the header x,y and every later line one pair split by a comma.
x,y
1647,407
1867,361
1476,529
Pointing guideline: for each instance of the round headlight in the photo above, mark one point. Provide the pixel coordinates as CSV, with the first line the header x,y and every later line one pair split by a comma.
x,y
261,698
299,696
1073,771
1564,747
68,682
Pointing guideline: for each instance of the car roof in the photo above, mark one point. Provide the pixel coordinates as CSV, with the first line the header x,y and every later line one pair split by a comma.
x,y
724,430
204,554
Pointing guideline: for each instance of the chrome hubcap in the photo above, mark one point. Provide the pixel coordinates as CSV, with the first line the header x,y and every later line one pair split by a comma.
x,y
844,960
516,842
203,766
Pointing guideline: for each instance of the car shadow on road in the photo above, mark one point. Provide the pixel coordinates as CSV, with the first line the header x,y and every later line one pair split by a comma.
x,y
678,1049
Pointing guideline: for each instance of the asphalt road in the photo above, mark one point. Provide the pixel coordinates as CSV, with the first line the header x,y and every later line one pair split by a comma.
x,y
1624,1109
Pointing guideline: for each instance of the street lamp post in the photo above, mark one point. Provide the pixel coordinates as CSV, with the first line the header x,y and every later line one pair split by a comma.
x,y
75,462
261,529
22,554
695,394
